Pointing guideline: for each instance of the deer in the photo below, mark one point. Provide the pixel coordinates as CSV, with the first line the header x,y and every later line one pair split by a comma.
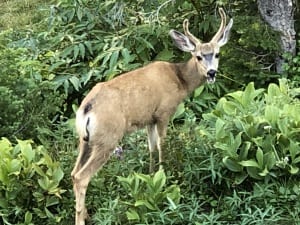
x,y
143,98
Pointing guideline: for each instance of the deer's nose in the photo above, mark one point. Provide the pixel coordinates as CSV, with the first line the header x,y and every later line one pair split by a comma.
x,y
211,73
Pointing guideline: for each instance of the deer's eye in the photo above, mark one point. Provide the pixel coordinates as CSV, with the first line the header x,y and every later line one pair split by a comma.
x,y
217,55
199,58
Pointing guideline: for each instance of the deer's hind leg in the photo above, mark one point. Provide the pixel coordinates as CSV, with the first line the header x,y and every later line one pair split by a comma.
x,y
89,162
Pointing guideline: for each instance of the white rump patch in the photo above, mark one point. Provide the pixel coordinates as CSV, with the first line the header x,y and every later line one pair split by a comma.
x,y
85,123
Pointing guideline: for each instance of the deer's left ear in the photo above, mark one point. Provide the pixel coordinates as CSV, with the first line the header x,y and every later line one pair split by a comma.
x,y
182,41
225,37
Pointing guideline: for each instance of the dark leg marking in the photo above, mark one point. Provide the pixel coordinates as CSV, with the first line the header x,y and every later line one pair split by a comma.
x,y
86,153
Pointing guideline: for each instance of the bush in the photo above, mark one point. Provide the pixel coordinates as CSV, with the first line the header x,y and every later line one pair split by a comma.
x,y
30,190
27,96
256,131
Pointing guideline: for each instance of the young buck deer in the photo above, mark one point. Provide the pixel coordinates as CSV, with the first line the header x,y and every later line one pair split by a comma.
x,y
145,97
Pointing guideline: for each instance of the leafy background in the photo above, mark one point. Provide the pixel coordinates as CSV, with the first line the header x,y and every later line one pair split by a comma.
x,y
232,149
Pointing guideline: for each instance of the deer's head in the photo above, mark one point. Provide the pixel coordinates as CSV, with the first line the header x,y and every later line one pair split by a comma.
x,y
205,55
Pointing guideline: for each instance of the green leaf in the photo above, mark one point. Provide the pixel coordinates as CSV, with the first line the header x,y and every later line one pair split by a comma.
x,y
88,45
38,170
179,111
132,215
249,163
81,50
28,217
172,206
253,172
14,166
293,169
75,82
159,180
44,183
144,203
58,174
232,165
264,173
272,114
165,55
113,60
143,177
76,52
26,150
198,91
220,130
260,157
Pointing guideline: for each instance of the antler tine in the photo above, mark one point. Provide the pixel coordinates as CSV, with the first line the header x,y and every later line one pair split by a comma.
x,y
222,26
188,34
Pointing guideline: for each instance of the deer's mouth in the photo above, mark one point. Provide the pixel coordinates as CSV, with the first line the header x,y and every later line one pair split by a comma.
x,y
210,79
211,76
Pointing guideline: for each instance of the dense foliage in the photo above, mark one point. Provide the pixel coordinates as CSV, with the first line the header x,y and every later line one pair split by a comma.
x,y
232,150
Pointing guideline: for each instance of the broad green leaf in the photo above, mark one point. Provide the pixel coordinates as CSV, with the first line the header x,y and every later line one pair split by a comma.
x,y
272,114
230,108
26,150
132,215
239,178
260,157
172,206
293,169
38,170
173,192
58,174
88,45
179,111
165,55
220,129
269,160
232,165
244,150
44,183
75,82
143,177
113,60
249,163
237,95
28,217
14,166
144,203
76,52
198,91
159,180
253,172
250,94
264,173
81,50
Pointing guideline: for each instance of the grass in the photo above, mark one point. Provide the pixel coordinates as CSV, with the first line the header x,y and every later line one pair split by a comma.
x,y
19,13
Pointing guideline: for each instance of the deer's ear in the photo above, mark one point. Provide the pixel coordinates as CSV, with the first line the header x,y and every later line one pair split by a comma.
x,y
225,36
182,41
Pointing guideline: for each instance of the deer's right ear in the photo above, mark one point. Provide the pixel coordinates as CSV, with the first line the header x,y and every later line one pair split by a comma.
x,y
182,41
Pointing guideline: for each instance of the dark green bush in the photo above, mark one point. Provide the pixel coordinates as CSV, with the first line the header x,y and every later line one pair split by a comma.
x,y
27,98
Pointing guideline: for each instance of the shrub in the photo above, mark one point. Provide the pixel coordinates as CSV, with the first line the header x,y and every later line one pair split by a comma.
x,y
256,131
30,189
27,97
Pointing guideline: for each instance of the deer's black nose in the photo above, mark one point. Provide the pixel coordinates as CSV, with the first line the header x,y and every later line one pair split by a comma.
x,y
211,73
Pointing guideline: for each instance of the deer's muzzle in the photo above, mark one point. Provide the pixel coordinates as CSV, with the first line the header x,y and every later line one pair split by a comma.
x,y
211,76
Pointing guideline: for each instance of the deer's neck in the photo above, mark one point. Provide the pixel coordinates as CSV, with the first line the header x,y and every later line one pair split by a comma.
x,y
190,75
